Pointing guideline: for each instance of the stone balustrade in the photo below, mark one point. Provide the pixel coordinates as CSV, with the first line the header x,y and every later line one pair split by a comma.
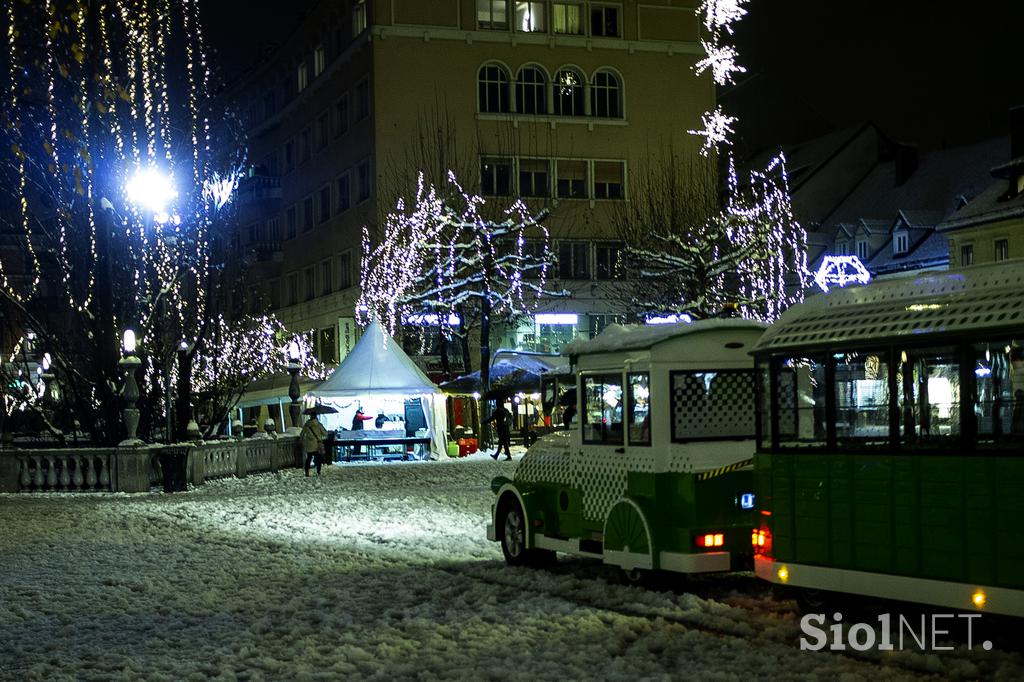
x,y
139,469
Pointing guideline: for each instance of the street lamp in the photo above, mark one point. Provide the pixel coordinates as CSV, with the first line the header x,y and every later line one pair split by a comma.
x,y
294,409
130,363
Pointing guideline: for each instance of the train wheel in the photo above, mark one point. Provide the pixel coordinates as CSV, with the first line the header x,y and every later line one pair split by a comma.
x,y
513,538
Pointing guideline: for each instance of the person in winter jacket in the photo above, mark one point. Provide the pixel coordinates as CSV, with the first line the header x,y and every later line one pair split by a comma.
x,y
357,424
502,419
313,435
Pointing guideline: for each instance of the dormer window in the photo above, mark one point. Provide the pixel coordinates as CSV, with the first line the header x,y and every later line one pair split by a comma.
x,y
900,243
862,249
842,249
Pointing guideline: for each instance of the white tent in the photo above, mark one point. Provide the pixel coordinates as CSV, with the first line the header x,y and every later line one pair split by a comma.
x,y
378,366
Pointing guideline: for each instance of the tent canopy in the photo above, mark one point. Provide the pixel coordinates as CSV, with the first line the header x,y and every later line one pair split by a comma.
x,y
377,365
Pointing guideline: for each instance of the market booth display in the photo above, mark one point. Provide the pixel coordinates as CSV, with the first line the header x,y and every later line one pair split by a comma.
x,y
386,406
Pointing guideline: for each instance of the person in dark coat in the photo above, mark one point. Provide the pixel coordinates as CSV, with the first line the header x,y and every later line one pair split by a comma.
x,y
502,419
379,421
569,413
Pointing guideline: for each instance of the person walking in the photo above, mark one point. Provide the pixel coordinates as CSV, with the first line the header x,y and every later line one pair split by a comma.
x,y
313,435
502,419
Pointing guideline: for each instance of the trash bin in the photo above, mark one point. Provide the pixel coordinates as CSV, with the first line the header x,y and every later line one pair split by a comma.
x,y
174,464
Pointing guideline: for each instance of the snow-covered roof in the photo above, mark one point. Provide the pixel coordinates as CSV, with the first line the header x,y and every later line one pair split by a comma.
x,y
617,337
977,300
377,365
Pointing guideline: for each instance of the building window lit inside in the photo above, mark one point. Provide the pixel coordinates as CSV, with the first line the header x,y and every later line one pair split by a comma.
x,y
530,17
492,14
567,18
568,93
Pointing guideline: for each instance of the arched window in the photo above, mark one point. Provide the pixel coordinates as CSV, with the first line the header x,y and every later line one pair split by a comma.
x,y
531,91
606,95
568,93
492,82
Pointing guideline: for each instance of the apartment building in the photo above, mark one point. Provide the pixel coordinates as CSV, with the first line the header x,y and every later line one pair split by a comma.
x,y
551,101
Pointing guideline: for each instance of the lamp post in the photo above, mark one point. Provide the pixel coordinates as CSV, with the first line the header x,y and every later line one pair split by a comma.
x,y
294,409
130,363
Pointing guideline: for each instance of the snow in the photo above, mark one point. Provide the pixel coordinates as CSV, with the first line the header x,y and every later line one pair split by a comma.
x,y
376,571
619,337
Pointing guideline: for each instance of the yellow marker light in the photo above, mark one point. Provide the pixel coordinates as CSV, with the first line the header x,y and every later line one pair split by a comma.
x,y
709,540
783,574
719,540
979,599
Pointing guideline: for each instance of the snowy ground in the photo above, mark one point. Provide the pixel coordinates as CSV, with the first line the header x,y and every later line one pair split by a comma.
x,y
371,571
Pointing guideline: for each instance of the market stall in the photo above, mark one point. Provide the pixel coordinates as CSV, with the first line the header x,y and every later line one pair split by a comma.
x,y
386,406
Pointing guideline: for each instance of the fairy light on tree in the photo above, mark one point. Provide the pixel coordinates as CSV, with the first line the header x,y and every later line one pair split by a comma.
x,y
108,185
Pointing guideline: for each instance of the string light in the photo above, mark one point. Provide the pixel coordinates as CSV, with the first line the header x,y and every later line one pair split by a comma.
x,y
718,17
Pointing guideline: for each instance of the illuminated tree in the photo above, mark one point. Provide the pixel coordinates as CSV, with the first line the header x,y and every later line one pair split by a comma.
x,y
115,164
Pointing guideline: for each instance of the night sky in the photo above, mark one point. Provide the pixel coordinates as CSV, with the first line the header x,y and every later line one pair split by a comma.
x,y
926,74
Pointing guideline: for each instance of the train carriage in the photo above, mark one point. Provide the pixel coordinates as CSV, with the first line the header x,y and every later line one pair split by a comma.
x,y
655,473
890,429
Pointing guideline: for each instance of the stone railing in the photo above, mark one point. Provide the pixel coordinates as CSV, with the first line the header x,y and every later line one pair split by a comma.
x,y
138,469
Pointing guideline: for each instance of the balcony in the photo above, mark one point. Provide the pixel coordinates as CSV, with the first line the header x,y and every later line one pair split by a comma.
x,y
266,250
259,188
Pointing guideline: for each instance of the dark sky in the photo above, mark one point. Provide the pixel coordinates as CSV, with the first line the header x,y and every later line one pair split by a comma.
x,y
926,72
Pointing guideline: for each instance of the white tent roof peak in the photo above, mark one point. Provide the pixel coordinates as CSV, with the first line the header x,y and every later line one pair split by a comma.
x,y
377,365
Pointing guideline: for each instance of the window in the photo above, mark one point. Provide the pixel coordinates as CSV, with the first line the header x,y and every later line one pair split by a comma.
x,y
533,178
274,229
568,93
842,249
862,249
573,260
800,400
359,18
535,260
606,95
328,346
319,60
966,255
275,294
1002,249
608,179
305,145
344,198
999,392
270,166
253,229
900,243
602,409
326,277
310,281
492,86
302,76
293,288
567,18
363,181
362,99
530,17
307,214
639,408
929,396
345,270
289,156
712,405
572,179
531,91
496,177
492,14
862,399
604,21
341,116
322,131
325,203
291,222
607,264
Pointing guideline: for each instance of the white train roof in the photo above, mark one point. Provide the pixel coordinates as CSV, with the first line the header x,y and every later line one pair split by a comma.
x,y
979,299
617,337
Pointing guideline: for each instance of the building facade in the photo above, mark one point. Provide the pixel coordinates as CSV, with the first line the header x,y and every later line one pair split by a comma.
x,y
550,101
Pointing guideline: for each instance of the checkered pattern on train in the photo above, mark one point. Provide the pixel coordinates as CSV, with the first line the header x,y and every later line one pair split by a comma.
x,y
547,461
600,475
715,407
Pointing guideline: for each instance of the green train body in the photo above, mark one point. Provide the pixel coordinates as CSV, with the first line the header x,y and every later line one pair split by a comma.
x,y
890,458
656,473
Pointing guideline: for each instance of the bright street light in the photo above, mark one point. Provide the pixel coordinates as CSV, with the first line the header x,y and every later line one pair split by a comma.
x,y
152,190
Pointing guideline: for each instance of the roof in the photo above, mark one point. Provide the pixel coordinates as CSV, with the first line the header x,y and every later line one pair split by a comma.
x,y
929,250
987,208
617,337
976,300
377,365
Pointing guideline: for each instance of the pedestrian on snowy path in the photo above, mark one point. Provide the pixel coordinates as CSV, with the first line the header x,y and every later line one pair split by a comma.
x,y
313,435
502,419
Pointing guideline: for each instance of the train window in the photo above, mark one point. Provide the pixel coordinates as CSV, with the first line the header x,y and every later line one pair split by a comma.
x,y
862,399
602,409
999,392
709,405
639,403
800,397
929,381
764,405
